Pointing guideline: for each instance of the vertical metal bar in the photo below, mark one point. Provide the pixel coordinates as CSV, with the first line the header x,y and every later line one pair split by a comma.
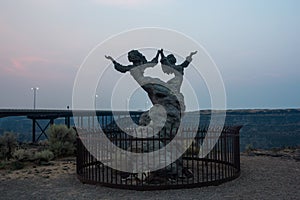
x,y
206,162
197,141
85,161
159,140
107,158
102,165
33,130
78,157
118,143
219,155
238,150
190,161
131,142
222,153
215,158
232,153
69,122
93,122
142,161
92,160
211,153
203,173
225,153
153,146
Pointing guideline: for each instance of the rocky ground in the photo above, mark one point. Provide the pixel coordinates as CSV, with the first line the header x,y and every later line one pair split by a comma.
x,y
289,153
52,170
264,176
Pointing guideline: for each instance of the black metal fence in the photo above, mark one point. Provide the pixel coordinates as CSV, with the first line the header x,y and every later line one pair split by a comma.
x,y
212,158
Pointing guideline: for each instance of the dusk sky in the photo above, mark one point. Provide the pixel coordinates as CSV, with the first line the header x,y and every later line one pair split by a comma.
x,y
254,43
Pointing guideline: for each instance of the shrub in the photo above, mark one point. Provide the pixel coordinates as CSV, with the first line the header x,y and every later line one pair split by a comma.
x,y
61,140
45,155
16,165
249,148
43,143
8,144
11,165
23,155
3,164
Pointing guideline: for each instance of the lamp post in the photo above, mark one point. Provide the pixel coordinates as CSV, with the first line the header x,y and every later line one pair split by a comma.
x,y
35,89
96,96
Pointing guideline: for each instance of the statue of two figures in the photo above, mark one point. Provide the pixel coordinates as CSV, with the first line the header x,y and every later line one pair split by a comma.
x,y
168,106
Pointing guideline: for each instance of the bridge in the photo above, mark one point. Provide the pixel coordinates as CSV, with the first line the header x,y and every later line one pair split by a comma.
x,y
84,117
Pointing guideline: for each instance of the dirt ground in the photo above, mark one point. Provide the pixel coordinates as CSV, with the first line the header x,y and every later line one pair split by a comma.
x,y
262,177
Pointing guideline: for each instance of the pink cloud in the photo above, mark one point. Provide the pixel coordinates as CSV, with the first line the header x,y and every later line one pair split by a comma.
x,y
37,68
22,66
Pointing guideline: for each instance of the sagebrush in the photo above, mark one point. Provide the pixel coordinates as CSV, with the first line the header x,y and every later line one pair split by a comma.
x,y
23,155
62,140
45,155
8,144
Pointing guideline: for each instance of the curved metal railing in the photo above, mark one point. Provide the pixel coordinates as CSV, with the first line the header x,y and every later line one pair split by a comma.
x,y
220,165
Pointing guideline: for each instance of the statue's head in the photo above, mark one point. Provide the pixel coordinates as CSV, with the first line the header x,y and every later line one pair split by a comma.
x,y
168,68
136,57
171,58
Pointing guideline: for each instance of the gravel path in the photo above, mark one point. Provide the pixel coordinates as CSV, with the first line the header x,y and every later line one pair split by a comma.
x,y
262,178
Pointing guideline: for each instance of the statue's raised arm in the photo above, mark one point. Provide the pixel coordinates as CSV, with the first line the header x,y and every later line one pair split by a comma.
x,y
154,61
189,58
118,66
137,59
109,58
170,61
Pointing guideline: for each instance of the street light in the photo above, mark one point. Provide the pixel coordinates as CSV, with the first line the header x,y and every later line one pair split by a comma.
x,y
35,89
96,96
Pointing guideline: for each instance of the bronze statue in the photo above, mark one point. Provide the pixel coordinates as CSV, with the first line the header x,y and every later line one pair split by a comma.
x,y
165,94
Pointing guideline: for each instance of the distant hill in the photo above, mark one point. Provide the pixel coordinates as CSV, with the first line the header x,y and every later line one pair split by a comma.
x,y
266,129
262,128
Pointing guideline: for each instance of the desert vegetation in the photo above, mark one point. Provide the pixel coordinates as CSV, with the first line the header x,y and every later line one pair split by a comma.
x,y
14,155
